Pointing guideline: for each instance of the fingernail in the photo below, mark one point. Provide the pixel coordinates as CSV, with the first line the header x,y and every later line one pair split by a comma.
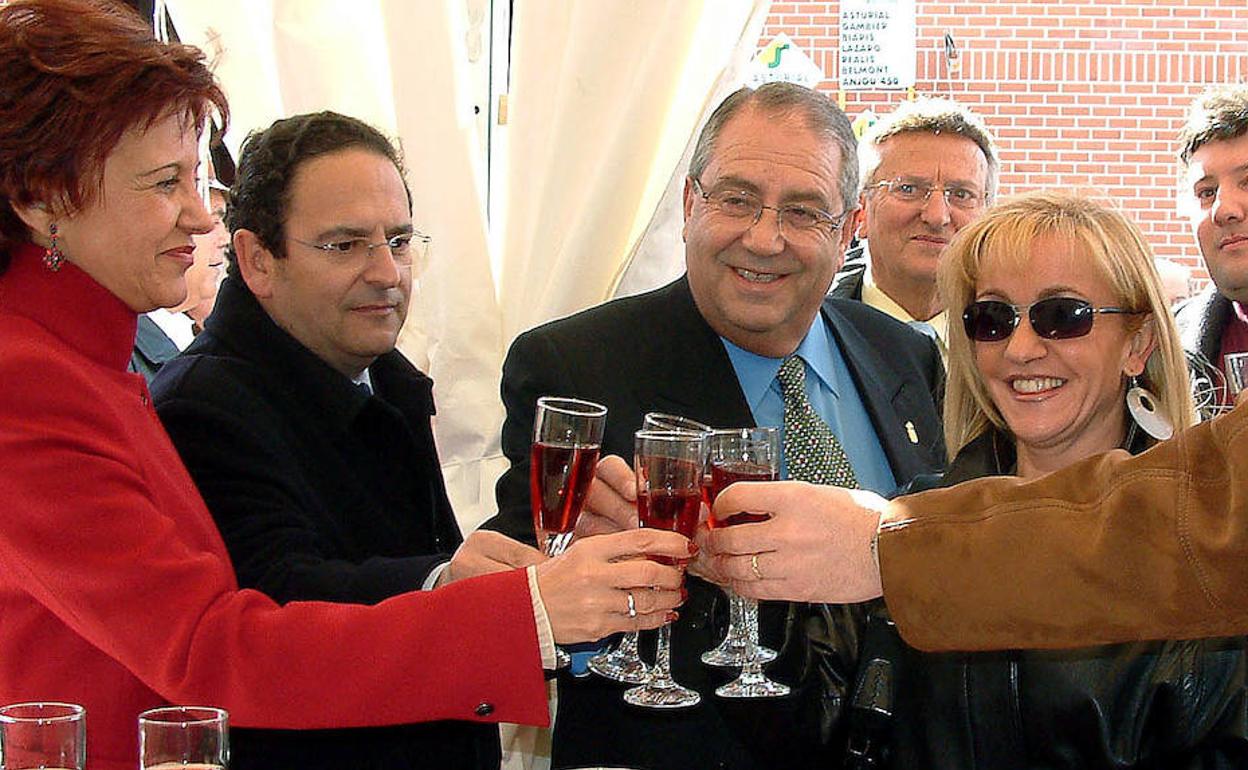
x,y
693,548
672,616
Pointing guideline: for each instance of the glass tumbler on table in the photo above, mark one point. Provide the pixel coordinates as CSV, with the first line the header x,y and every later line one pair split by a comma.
x,y
184,738
43,736
669,466
567,438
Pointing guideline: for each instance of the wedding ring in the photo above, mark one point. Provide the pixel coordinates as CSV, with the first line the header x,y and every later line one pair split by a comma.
x,y
632,605
758,573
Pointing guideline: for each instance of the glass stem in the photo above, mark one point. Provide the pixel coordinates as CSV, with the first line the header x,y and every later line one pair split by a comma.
x,y
753,666
628,645
661,676
736,618
557,543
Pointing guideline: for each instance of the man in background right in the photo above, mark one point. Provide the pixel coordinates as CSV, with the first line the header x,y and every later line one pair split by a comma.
x,y
929,168
1214,198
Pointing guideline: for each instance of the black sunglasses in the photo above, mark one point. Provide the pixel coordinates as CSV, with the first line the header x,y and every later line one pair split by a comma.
x,y
1055,318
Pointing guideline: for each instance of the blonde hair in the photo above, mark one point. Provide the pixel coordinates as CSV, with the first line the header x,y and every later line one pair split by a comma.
x,y
1115,249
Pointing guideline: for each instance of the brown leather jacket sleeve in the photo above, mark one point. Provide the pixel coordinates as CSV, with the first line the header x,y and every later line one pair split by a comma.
x,y
1110,549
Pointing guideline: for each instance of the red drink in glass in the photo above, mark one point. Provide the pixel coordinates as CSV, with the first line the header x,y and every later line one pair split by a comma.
x,y
559,479
669,466
723,474
675,510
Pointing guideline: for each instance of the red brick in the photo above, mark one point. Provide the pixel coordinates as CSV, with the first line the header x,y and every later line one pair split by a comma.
x,y
1113,96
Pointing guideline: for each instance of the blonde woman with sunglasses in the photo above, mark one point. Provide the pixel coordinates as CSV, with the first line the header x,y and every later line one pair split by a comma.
x,y
1064,349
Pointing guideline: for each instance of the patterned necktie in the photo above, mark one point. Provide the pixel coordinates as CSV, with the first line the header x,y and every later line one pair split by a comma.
x,y
811,450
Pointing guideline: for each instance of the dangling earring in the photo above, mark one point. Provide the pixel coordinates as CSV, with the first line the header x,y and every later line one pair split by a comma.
x,y
53,257
1143,408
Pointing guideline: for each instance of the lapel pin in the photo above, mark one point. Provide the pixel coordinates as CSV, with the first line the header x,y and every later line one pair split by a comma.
x,y
911,432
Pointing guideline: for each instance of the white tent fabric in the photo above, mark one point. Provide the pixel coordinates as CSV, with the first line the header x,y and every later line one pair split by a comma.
x,y
657,256
604,99
401,66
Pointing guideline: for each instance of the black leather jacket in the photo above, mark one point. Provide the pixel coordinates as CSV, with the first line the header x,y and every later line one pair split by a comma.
x,y
1166,704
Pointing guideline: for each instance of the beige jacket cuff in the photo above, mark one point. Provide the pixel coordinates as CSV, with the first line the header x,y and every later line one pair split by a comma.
x,y
545,634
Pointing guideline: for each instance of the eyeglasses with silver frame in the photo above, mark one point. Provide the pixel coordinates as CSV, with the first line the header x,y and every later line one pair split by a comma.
x,y
797,221
918,191
405,248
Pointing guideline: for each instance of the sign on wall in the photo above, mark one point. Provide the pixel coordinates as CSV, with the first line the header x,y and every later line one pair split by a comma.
x,y
782,60
877,45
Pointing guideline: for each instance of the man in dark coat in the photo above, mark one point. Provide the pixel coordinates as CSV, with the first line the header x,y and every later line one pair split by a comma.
x,y
308,435
769,205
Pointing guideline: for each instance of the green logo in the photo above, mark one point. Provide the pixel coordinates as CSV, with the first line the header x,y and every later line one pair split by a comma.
x,y
773,57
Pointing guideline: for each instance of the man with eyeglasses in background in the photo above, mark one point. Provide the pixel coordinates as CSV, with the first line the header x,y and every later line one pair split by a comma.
x,y
929,168
769,204
309,435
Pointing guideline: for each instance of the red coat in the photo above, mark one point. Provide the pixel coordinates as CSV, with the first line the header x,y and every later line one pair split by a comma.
x,y
116,591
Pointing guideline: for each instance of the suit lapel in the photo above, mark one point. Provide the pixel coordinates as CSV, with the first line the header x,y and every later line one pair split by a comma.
x,y
892,402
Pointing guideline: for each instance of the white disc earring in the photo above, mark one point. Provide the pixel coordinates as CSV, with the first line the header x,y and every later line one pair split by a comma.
x,y
1142,405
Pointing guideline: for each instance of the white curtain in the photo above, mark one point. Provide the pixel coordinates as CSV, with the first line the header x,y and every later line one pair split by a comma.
x,y
657,256
605,97
404,67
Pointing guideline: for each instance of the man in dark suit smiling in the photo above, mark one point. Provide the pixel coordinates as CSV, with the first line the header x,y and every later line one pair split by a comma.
x,y
310,437
769,202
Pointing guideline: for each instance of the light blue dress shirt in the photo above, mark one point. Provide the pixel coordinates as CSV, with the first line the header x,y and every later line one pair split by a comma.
x,y
831,392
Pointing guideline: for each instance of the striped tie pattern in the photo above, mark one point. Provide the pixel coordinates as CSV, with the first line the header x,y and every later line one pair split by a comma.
x,y
810,448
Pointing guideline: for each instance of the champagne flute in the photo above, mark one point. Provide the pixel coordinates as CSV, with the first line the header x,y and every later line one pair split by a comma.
x,y
734,456
184,738
733,650
624,663
567,438
43,736
669,466
745,454
673,422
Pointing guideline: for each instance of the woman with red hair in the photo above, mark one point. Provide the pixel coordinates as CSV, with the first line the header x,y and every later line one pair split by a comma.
x,y
116,591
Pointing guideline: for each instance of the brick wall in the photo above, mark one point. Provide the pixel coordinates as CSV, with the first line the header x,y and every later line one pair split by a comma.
x,y
1080,93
